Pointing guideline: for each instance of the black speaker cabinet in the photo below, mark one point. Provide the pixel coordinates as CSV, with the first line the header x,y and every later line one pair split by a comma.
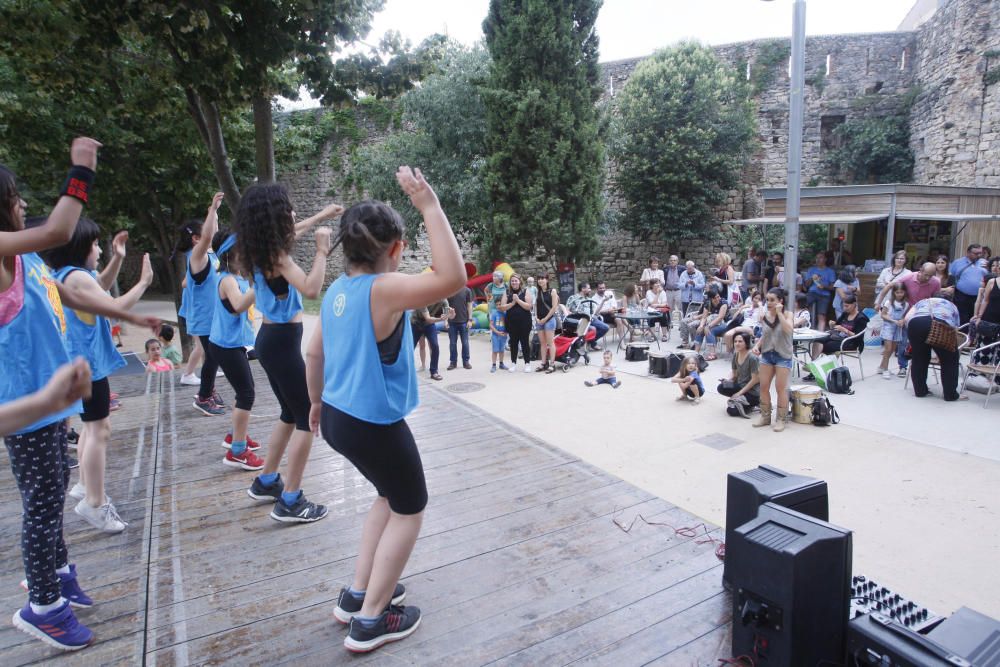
x,y
876,640
791,581
748,490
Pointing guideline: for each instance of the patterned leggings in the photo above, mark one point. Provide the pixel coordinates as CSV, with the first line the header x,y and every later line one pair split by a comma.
x,y
41,468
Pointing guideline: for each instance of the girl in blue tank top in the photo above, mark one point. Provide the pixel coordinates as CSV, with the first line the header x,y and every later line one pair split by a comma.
x,y
198,304
232,333
266,231
89,336
362,384
33,322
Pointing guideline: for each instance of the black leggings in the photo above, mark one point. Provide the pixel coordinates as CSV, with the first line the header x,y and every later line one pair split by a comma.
x,y
918,330
386,454
98,406
209,367
279,351
520,333
236,366
41,469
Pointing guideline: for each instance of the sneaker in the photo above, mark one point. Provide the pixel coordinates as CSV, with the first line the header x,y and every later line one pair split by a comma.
x,y
58,628
104,518
72,437
588,383
348,605
247,460
527,368
219,374
303,511
887,374
252,444
512,369
218,399
542,368
451,367
467,366
208,407
252,354
115,405
503,367
901,373
190,379
617,384
394,624
258,491
493,368
73,462
69,589
77,492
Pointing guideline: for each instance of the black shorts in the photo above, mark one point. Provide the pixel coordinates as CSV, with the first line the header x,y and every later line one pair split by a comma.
x,y
236,367
279,351
98,406
386,454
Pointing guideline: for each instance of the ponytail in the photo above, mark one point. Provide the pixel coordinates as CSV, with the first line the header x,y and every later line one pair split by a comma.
x,y
367,229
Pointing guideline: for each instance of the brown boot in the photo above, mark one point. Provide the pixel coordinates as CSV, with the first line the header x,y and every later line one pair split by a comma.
x,y
765,414
781,419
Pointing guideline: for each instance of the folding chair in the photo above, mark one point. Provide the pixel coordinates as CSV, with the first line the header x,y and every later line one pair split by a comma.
x,y
854,354
987,365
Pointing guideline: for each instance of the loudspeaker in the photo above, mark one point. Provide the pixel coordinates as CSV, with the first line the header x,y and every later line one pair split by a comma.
x,y
748,490
791,579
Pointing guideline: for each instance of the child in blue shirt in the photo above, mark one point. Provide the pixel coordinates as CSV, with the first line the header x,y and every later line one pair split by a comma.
x,y
498,334
689,381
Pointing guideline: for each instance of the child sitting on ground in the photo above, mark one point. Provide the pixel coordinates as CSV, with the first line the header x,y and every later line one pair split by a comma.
x,y
498,335
689,381
170,351
156,363
607,373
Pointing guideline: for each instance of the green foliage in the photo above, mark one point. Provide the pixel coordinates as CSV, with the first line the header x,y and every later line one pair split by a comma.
x,y
685,125
875,145
991,53
545,160
301,136
992,76
817,80
446,137
772,57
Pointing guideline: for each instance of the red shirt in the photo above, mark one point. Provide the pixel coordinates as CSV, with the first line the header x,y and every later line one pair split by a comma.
x,y
917,291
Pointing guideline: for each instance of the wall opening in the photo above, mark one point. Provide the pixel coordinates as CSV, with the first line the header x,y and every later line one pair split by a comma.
x,y
829,139
829,63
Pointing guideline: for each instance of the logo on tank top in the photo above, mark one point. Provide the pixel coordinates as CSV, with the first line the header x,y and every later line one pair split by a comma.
x,y
339,304
44,278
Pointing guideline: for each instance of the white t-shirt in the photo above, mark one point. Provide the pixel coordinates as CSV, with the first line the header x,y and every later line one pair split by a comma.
x,y
653,300
751,316
887,277
610,305
650,274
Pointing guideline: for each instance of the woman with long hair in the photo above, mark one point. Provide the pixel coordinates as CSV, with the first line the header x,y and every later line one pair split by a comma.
x,y
725,274
546,310
947,290
362,385
266,233
517,305
775,351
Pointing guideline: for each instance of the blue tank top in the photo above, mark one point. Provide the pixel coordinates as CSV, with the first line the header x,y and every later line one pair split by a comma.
x,y
275,309
34,341
90,335
229,330
198,301
355,379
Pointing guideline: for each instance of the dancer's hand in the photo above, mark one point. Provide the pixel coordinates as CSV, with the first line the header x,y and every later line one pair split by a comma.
x,y
68,384
324,242
331,211
83,152
146,276
421,194
118,244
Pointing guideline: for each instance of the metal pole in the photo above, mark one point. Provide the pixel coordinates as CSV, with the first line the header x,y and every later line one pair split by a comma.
x,y
796,85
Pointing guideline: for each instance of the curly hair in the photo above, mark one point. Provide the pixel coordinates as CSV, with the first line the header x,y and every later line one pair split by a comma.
x,y
265,229
367,229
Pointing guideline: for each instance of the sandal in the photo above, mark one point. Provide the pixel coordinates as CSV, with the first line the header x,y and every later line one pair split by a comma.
x,y
710,357
550,370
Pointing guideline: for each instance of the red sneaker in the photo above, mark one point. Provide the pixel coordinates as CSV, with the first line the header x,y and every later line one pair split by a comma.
x,y
246,461
252,444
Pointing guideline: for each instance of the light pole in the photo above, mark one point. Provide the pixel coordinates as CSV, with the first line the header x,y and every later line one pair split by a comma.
x,y
794,187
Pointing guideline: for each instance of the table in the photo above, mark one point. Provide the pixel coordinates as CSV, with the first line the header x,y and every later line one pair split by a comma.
x,y
638,322
802,340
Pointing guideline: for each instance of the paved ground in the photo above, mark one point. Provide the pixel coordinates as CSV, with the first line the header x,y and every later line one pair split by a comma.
x,y
915,479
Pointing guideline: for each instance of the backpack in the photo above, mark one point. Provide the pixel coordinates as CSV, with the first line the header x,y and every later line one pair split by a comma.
x,y
536,348
702,364
838,381
823,412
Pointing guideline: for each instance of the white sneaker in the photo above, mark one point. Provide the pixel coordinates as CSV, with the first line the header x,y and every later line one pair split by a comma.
x,y
886,374
527,368
77,492
104,518
513,368
190,379
220,374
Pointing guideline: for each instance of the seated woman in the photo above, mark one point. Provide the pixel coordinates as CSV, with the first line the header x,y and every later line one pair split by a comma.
x,y
744,384
850,322
656,299
713,324
751,311
630,302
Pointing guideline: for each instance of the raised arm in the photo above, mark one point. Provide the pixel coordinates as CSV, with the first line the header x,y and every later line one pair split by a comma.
x,y
199,253
240,301
58,229
80,292
109,275
309,285
397,292
330,212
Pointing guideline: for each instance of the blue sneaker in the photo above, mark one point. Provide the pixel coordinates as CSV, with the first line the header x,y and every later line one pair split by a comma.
x,y
58,628
69,588
348,606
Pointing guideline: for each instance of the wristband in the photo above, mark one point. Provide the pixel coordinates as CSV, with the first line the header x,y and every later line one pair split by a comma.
x,y
78,182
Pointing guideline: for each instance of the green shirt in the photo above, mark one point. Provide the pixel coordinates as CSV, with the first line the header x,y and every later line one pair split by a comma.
x,y
173,354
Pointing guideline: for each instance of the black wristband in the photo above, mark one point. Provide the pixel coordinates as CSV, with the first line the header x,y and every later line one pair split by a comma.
x,y
78,182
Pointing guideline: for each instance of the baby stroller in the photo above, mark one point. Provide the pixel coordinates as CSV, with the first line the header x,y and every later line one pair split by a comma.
x,y
571,343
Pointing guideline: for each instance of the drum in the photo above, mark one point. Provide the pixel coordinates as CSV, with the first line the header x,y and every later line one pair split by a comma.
x,y
637,352
802,400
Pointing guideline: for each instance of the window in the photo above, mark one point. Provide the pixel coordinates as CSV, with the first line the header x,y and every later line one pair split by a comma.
x,y
828,138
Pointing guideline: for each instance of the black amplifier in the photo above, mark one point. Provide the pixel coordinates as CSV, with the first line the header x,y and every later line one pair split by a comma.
x,y
875,640
868,596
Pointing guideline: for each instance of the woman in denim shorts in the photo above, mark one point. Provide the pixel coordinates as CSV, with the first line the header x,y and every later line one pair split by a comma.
x,y
775,350
546,309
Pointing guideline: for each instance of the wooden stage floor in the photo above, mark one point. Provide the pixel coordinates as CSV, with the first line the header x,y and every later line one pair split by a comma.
x,y
519,561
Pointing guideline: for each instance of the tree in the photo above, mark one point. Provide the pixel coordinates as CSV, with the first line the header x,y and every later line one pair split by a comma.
x,y
875,144
444,135
685,124
545,163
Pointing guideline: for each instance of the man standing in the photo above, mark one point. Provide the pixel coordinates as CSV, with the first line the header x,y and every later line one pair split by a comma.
x,y
753,271
458,327
969,275
692,282
672,284
818,281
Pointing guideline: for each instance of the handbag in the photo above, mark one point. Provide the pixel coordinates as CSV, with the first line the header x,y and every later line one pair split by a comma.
x,y
942,336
